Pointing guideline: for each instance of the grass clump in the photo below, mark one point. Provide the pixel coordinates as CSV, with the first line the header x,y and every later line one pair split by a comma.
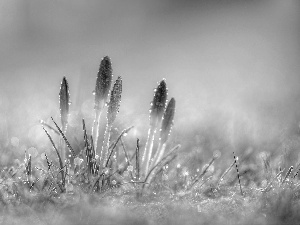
x,y
100,173
152,183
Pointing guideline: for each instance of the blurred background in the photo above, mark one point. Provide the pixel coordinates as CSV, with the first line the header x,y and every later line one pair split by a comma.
x,y
232,66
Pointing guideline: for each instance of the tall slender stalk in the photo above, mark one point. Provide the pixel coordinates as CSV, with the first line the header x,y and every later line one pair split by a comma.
x,y
156,114
59,159
137,160
166,127
238,174
71,150
103,85
89,151
112,111
64,103
171,155
287,174
103,154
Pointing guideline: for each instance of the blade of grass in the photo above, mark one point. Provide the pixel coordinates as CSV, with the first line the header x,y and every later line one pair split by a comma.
x,y
137,160
48,126
150,174
198,178
65,138
271,181
238,174
155,170
125,131
225,173
58,156
287,174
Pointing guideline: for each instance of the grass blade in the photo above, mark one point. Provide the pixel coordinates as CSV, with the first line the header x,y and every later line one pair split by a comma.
x,y
65,138
112,147
137,160
58,156
238,174
152,172
197,179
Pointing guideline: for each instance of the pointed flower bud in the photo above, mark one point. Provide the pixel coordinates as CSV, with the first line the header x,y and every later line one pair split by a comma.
x,y
64,102
158,104
103,83
115,100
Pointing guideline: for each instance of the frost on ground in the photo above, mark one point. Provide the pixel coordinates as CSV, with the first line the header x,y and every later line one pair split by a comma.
x,y
222,206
